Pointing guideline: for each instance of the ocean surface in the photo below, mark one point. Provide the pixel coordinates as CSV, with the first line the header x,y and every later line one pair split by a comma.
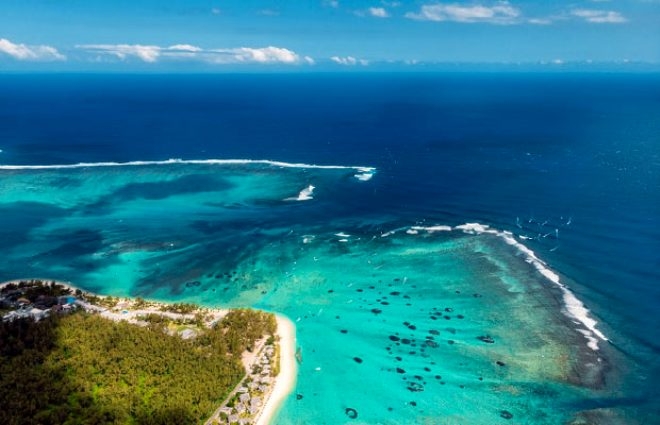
x,y
453,248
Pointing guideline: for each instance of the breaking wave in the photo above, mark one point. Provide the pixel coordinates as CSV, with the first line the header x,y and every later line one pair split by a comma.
x,y
362,173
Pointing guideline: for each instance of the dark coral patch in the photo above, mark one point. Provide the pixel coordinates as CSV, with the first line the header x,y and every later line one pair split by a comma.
x,y
415,387
506,414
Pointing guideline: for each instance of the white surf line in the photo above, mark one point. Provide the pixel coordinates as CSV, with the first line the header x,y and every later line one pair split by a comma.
x,y
574,308
407,229
432,229
361,169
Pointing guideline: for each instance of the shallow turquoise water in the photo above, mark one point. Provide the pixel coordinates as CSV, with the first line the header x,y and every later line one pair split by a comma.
x,y
403,327
351,300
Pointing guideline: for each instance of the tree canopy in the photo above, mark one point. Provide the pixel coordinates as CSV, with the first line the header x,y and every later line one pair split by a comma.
x,y
84,369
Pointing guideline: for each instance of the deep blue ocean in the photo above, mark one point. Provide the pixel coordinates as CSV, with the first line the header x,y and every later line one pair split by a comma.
x,y
569,161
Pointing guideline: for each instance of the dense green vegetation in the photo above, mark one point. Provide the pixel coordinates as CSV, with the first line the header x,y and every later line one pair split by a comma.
x,y
83,369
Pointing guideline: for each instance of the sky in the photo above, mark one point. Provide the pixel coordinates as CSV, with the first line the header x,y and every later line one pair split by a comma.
x,y
164,35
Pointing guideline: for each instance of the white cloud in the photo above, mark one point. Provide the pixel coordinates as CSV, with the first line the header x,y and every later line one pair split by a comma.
x,y
151,54
349,61
540,21
499,13
331,3
122,51
378,12
30,53
268,12
185,48
599,16
268,54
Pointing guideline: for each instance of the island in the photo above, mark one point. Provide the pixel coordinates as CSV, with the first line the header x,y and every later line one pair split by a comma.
x,y
70,356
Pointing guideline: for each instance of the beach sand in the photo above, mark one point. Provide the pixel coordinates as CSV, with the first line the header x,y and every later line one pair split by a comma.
x,y
286,380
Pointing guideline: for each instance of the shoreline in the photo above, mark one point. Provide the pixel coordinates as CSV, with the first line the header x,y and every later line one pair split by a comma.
x,y
285,381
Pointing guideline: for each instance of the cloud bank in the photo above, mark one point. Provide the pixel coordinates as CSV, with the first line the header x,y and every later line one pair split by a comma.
x,y
30,53
239,55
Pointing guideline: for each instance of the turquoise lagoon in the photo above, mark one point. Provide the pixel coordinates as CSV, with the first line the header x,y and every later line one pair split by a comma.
x,y
397,322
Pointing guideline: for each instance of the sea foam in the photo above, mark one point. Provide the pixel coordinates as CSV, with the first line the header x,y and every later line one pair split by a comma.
x,y
304,195
573,307
364,173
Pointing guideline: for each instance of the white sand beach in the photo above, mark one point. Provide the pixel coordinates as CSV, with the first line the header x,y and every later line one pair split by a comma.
x,y
286,380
